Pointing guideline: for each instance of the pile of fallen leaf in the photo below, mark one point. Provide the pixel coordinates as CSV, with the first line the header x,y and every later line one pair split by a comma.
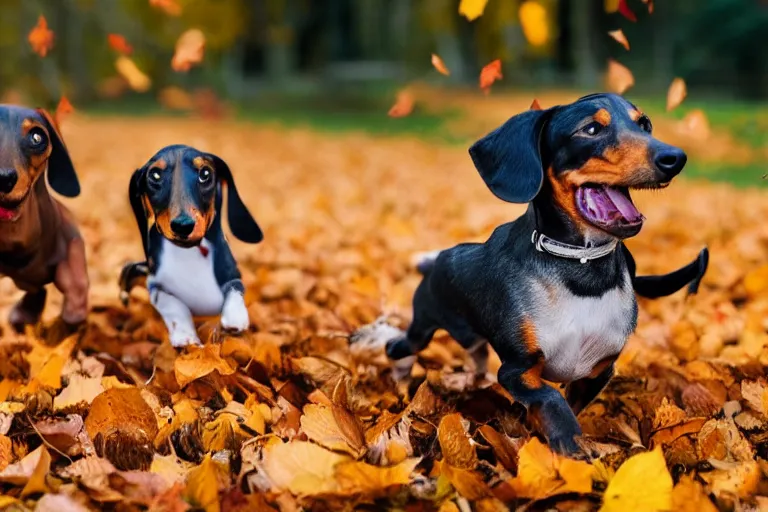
x,y
291,415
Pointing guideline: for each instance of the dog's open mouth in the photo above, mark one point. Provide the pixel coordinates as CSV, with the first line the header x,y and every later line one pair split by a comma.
x,y
609,208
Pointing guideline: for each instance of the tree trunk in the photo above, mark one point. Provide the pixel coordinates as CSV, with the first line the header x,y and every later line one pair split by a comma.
x,y
582,28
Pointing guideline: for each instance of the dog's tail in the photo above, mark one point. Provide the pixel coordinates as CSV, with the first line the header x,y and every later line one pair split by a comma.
x,y
133,274
425,261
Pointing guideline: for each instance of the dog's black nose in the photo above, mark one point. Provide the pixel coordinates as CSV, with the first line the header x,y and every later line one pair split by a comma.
x,y
183,225
8,178
670,160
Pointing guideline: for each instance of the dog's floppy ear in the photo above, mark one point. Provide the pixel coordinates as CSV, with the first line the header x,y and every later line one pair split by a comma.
x,y
61,173
241,221
509,158
135,192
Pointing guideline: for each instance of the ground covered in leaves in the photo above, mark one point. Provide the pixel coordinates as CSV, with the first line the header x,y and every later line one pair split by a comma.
x,y
290,416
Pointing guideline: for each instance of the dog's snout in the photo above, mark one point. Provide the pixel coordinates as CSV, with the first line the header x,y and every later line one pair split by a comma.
x,y
183,225
670,160
8,178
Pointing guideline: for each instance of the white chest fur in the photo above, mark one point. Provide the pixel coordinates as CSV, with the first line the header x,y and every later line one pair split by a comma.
x,y
575,333
187,274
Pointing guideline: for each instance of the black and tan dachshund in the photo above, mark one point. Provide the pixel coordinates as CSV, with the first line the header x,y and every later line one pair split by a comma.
x,y
190,271
39,240
554,291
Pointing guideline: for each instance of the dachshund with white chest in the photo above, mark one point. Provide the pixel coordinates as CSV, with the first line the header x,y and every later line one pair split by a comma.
x,y
554,291
39,239
190,271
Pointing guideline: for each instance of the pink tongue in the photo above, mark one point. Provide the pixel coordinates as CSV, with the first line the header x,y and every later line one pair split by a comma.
x,y
6,214
623,204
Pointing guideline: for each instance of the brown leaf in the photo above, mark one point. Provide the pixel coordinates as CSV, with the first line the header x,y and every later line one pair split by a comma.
x,y
454,442
119,44
618,78
64,434
199,362
489,74
403,106
439,65
505,451
190,49
40,38
333,428
676,93
203,486
619,37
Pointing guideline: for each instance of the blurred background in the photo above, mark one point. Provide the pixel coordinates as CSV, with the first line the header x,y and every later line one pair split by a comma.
x,y
339,64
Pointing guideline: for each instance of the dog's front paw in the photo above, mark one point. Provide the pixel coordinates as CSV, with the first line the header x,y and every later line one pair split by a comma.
x,y
181,337
234,314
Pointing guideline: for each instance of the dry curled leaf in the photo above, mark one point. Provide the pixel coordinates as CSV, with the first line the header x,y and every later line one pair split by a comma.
x,y
618,77
676,93
439,65
472,9
119,44
625,11
489,74
199,362
534,22
137,80
542,473
403,106
190,49
41,38
454,442
619,37
169,7
334,428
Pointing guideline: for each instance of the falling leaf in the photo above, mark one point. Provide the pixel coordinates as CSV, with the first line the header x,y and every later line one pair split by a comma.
x,y
655,493
619,37
169,7
63,109
472,9
542,473
618,78
119,44
695,125
439,65
203,486
199,362
676,93
190,49
649,3
40,38
533,20
403,104
489,74
625,11
136,78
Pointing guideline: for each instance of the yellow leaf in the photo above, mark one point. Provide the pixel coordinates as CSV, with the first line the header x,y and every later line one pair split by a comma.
x,y
137,80
7,386
111,381
7,501
472,9
171,468
41,353
334,428
533,20
50,375
542,473
199,362
36,482
688,496
611,5
676,93
203,486
302,468
79,390
641,483
359,477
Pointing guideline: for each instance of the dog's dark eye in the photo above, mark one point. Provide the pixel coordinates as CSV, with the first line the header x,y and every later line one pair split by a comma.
x,y
592,129
645,124
36,139
155,176
205,175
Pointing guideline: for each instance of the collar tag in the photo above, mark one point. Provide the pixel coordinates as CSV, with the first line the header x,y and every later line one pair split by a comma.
x,y
575,252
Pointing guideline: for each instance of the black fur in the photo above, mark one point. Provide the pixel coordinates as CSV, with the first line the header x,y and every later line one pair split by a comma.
x,y
485,290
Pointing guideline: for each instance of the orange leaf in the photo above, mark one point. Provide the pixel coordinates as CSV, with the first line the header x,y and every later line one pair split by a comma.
x,y
170,7
626,11
119,44
403,104
199,362
489,74
454,442
676,93
439,65
63,109
40,38
535,105
620,38
650,5
619,78
190,48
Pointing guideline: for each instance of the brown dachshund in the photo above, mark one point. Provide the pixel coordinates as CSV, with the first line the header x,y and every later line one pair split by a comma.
x,y
39,241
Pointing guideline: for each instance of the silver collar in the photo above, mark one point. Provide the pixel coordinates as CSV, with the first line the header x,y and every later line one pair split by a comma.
x,y
575,252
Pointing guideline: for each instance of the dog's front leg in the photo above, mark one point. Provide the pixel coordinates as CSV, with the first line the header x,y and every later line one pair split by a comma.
x,y
28,310
234,314
580,393
177,318
543,402
71,279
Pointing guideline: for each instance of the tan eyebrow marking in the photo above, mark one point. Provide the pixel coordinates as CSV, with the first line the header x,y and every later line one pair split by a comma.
x,y
635,115
159,165
199,162
603,117
28,124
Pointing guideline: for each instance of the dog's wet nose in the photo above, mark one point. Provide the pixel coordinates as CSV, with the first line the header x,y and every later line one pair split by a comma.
x,y
670,160
8,178
183,225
